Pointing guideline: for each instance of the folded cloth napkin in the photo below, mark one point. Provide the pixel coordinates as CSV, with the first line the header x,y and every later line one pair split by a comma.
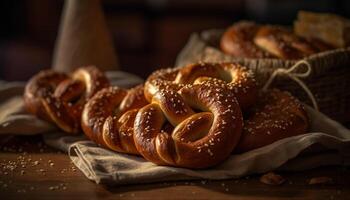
x,y
328,143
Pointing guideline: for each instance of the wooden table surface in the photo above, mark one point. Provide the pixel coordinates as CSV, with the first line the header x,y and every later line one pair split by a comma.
x,y
31,170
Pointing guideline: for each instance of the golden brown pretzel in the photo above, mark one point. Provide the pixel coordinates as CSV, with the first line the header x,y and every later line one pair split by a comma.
x,y
159,80
238,40
108,117
39,87
234,77
277,115
250,40
199,139
59,98
282,43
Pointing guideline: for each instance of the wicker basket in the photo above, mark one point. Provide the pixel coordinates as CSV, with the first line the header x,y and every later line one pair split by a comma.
x,y
329,80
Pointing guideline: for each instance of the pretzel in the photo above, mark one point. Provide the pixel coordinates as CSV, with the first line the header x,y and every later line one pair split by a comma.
x,y
41,85
206,120
162,79
238,40
234,77
108,117
59,98
282,43
250,40
276,115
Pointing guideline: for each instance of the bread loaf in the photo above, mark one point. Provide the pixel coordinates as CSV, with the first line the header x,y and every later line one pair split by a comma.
x,y
329,28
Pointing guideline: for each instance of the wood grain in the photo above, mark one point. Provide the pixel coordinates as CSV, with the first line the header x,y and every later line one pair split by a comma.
x,y
39,179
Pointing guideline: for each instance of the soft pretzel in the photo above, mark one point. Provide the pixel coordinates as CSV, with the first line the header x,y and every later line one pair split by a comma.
x,y
108,117
276,115
207,123
282,43
162,79
234,77
59,98
238,40
40,86
250,40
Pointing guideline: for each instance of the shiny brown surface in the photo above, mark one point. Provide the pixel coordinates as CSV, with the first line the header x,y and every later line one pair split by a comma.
x,y
62,180
238,40
200,139
232,76
59,98
108,117
276,115
249,40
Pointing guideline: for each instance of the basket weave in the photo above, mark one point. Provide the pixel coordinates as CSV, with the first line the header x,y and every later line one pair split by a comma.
x,y
329,80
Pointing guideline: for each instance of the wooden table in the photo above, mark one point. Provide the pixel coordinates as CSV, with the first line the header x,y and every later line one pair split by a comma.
x,y
31,170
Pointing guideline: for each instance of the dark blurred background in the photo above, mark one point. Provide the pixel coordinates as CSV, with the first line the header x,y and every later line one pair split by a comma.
x,y
148,34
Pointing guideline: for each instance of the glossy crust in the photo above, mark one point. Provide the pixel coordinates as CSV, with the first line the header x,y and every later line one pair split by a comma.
x,y
234,77
277,115
238,40
59,98
38,88
282,43
250,40
199,139
108,118
161,79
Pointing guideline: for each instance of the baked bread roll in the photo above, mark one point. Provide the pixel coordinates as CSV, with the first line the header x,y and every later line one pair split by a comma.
x,y
329,28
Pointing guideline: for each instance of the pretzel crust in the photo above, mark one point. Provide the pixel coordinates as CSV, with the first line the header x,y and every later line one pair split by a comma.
x,y
232,76
198,140
108,117
59,98
276,115
249,40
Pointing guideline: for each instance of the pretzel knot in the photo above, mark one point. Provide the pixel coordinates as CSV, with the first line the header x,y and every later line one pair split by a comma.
x,y
250,40
59,97
206,120
232,76
275,116
108,117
